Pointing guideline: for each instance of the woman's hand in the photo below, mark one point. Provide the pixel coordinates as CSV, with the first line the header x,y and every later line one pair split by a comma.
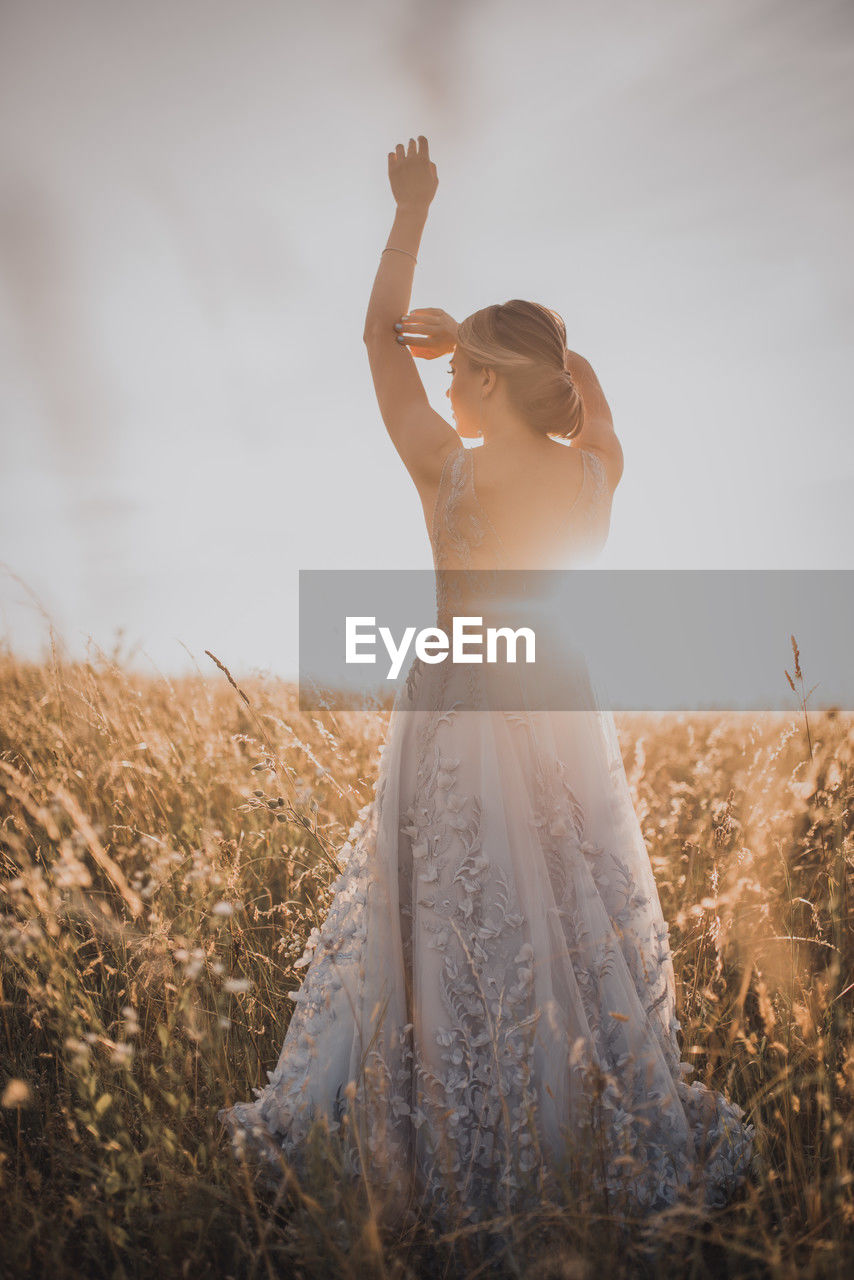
x,y
412,174
434,332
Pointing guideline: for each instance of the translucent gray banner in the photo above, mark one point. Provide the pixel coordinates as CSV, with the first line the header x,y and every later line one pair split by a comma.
x,y
650,640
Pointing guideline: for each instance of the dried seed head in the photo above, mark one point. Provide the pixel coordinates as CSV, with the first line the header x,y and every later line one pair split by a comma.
x,y
16,1094
798,672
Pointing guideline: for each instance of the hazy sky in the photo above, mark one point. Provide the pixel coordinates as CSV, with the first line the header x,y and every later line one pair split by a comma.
x,y
193,202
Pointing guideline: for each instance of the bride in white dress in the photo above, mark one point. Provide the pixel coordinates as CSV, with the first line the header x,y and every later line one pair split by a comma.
x,y
488,1016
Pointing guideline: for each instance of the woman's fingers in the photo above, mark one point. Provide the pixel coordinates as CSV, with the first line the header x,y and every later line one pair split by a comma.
x,y
427,316
420,148
418,332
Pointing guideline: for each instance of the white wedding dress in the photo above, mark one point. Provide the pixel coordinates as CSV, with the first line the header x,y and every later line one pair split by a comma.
x,y
488,1011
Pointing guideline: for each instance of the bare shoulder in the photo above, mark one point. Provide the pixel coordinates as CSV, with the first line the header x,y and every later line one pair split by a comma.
x,y
608,450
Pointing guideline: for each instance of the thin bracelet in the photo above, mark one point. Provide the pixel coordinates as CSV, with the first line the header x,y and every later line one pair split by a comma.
x,y
396,250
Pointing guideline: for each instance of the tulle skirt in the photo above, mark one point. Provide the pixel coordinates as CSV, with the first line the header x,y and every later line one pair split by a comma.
x,y
488,1015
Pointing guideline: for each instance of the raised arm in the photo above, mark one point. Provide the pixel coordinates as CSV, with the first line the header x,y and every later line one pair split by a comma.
x,y
420,435
597,432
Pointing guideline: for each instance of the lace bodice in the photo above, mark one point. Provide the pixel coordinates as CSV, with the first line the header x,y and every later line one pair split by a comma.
x,y
463,536
478,574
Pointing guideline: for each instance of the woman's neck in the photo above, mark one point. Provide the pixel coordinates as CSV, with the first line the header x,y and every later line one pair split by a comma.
x,y
513,438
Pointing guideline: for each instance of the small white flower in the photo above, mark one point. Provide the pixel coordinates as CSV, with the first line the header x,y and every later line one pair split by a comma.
x,y
77,1047
16,1094
235,985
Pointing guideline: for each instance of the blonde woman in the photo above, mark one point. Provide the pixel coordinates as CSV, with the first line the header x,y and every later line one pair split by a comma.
x,y
490,1001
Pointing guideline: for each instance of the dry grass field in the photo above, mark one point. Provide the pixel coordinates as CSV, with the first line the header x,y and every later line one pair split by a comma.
x,y
166,848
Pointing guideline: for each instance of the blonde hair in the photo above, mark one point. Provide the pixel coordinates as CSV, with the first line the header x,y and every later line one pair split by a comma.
x,y
527,343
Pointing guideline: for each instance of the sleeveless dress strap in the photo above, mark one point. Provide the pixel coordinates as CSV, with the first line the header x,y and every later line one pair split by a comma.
x,y
434,523
598,476
593,486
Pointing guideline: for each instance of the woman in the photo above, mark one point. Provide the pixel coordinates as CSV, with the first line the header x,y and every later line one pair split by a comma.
x,y
489,1009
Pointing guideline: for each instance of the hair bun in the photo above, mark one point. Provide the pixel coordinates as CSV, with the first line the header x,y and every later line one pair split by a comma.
x,y
525,342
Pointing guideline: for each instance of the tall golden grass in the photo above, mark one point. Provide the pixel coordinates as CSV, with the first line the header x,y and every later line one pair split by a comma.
x,y
166,848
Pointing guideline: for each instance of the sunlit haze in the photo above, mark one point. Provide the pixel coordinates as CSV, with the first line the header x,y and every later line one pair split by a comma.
x,y
194,201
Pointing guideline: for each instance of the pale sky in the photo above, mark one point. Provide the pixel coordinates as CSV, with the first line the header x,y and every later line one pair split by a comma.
x,y
193,201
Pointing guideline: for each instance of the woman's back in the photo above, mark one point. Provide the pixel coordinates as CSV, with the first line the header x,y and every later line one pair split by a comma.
x,y
546,507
